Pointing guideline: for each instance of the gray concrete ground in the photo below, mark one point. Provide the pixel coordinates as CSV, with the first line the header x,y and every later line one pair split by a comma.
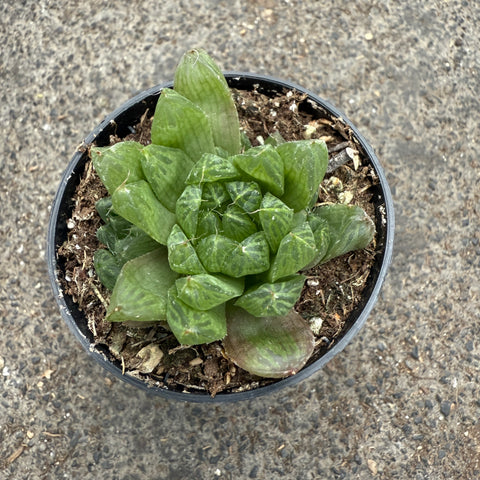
x,y
402,401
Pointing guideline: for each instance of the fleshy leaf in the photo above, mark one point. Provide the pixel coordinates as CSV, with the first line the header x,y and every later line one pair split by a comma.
x,y
349,226
166,169
305,163
118,164
104,207
237,223
205,291
179,123
270,299
276,219
297,249
274,139
208,223
140,293
133,245
187,208
274,347
249,257
194,327
213,195
137,203
264,165
198,78
246,195
212,168
321,233
214,250
106,267
182,257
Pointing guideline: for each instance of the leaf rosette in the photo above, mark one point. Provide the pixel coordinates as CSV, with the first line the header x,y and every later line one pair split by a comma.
x,y
210,234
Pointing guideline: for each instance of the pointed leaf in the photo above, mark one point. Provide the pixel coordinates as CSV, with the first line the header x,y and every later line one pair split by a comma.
x,y
296,250
118,164
249,257
137,203
214,250
208,223
198,78
182,257
349,226
274,347
214,195
106,267
178,123
246,195
166,169
212,168
194,327
264,165
321,233
270,299
140,293
187,208
276,220
133,245
305,163
205,291
237,223
274,139
104,207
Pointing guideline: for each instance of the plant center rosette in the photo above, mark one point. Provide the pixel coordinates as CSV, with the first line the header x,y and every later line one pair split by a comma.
x,y
210,235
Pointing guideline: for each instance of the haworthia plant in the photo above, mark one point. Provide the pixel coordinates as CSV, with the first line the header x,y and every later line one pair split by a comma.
x,y
210,234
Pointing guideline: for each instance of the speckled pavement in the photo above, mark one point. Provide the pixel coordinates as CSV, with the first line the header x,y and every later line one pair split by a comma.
x,y
402,401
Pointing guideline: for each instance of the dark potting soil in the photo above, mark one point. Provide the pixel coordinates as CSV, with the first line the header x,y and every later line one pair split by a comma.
x,y
331,291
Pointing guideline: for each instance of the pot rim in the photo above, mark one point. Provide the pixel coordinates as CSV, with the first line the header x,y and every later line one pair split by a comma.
x,y
101,357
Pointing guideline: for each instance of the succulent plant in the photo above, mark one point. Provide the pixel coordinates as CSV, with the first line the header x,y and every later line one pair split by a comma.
x,y
210,234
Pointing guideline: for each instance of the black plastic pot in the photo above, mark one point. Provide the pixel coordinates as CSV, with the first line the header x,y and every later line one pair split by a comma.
x,y
121,122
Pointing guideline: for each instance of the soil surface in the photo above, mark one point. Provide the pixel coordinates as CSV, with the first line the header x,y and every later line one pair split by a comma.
x,y
330,293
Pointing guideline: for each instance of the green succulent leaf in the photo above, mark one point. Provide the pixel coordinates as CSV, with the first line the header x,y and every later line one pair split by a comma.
x,y
137,203
214,195
247,195
297,249
107,268
179,123
237,223
199,79
270,299
349,226
126,247
187,208
141,289
208,223
245,143
249,257
274,346
305,163
104,208
182,257
212,168
264,165
276,219
214,251
321,233
166,169
206,291
275,139
118,164
133,245
194,327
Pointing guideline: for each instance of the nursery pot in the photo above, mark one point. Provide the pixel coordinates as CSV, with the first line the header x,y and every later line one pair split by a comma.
x,y
121,123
